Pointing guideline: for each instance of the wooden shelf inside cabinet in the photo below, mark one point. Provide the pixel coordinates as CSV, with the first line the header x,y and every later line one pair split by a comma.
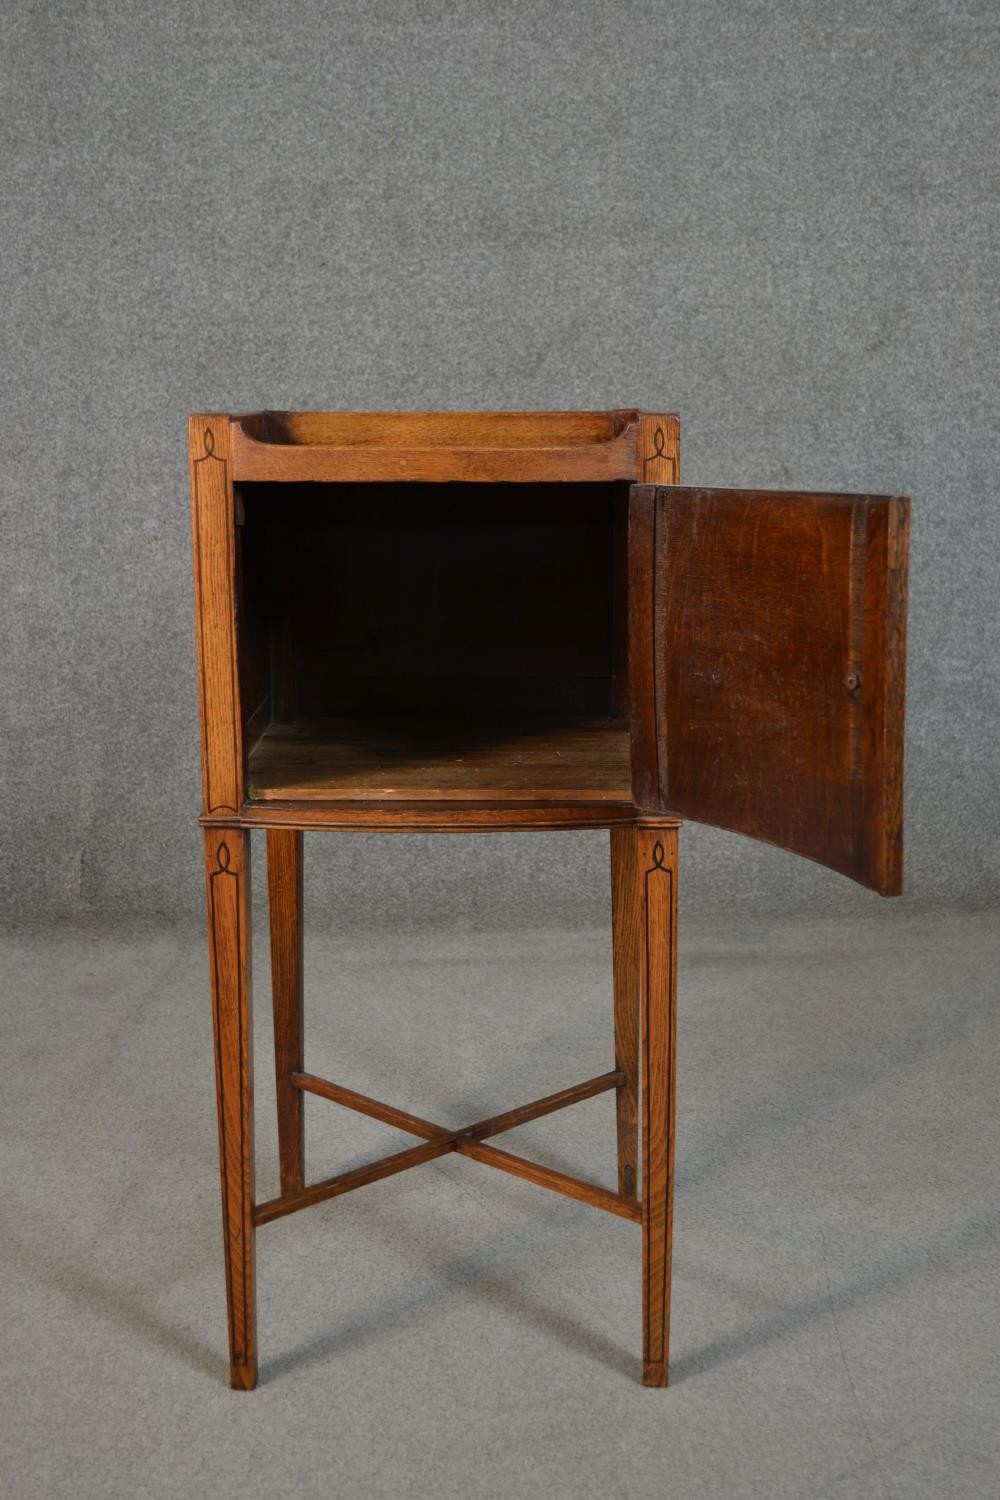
x,y
500,621
411,761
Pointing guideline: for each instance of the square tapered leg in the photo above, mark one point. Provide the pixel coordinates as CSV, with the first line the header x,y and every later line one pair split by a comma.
x,y
284,881
227,874
625,919
655,885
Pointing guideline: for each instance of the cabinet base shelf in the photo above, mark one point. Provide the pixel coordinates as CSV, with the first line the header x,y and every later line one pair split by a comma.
x,y
393,760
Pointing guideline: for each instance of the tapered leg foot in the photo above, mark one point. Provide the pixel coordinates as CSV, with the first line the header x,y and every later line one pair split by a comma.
x,y
227,872
656,871
284,880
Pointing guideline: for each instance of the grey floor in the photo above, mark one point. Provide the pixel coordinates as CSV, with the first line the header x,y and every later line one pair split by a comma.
x,y
453,1332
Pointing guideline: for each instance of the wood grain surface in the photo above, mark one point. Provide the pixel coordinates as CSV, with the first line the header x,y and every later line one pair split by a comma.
x,y
215,575
387,759
549,1177
227,873
490,447
284,883
439,1140
496,816
626,915
644,748
779,659
656,875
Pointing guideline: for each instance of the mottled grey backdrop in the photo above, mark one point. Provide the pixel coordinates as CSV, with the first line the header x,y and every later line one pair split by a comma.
x,y
780,220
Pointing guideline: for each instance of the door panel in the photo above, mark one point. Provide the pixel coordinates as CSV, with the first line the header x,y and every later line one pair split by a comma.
x,y
779,625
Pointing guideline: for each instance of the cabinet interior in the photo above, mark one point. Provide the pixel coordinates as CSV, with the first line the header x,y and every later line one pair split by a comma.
x,y
417,640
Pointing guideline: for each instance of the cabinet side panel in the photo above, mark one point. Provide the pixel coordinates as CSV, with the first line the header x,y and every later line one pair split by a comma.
x,y
212,522
657,461
641,649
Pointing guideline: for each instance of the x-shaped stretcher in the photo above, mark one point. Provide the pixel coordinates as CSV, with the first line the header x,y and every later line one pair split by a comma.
x,y
439,1141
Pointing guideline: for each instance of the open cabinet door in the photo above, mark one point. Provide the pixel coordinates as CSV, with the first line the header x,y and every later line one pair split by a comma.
x,y
779,628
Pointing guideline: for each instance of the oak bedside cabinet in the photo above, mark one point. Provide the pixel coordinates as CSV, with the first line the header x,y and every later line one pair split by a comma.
x,y
506,620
